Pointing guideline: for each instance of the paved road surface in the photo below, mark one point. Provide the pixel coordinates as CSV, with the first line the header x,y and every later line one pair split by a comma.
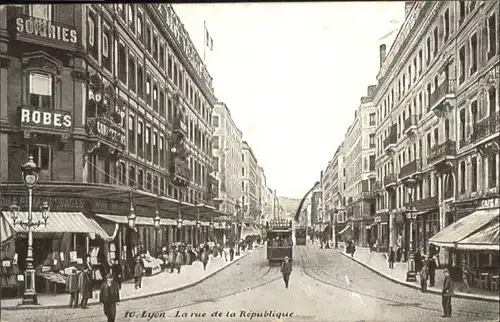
x,y
324,286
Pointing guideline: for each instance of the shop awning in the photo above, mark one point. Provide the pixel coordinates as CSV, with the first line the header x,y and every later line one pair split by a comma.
x,y
6,230
59,222
345,229
485,239
167,222
463,228
140,221
188,223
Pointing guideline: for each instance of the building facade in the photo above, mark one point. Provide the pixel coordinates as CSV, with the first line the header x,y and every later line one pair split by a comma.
x,y
437,112
250,184
227,151
114,104
360,170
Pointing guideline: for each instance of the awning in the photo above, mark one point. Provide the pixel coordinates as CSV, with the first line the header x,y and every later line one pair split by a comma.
x,y
167,222
345,229
459,230
140,221
485,239
188,223
60,222
6,230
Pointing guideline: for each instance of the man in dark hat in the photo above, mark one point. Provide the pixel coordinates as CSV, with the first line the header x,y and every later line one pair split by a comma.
x,y
109,296
286,270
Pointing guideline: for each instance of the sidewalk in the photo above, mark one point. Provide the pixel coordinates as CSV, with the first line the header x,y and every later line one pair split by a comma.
x,y
161,283
377,262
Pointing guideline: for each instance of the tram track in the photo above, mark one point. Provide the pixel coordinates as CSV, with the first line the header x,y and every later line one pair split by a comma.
x,y
323,275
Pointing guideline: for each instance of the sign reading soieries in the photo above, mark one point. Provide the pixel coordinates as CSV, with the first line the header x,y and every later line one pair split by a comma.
x,y
44,28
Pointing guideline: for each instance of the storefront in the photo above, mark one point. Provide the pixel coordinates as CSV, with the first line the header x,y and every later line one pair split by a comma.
x,y
380,230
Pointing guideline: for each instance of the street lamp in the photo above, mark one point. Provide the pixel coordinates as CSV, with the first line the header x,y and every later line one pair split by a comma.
x,y
411,274
131,217
29,172
198,223
157,218
238,208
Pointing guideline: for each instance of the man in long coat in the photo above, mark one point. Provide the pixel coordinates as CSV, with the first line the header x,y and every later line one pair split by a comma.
x,y
85,287
447,293
286,270
72,287
109,296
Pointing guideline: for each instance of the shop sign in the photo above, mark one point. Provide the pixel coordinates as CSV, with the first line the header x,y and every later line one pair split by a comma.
x,y
45,28
490,203
106,129
377,219
55,203
45,118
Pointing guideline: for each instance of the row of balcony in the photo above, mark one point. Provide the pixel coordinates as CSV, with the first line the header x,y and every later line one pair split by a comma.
x,y
486,127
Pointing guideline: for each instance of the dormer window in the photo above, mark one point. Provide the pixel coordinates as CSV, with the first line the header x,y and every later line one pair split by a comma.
x,y
40,90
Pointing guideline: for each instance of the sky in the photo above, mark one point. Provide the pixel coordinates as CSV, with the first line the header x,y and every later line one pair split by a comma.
x,y
292,75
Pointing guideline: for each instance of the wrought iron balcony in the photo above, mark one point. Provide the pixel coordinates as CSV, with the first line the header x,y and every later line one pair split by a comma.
x,y
443,98
442,152
410,169
486,127
423,204
390,180
390,142
367,195
411,124
180,126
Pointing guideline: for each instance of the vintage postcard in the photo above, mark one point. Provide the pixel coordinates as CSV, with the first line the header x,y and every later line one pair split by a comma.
x,y
272,161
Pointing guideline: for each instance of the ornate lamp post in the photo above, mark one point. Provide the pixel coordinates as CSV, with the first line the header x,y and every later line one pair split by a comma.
x,y
198,223
131,216
179,220
30,177
411,274
157,220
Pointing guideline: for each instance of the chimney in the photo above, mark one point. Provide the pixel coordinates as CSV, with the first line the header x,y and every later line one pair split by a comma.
x,y
408,6
383,52
371,90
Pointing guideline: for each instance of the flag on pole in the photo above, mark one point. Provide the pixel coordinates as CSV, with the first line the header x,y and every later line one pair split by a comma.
x,y
209,42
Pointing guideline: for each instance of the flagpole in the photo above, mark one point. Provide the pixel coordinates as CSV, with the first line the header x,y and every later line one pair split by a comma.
x,y
204,39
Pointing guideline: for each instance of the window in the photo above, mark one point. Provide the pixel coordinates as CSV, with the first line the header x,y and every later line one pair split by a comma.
x,y
473,54
473,109
215,142
420,61
148,143
170,67
462,177
155,147
106,50
436,136
429,143
216,164
474,174
42,11
372,162
162,57
148,90
40,90
92,34
155,185
176,75
155,98
107,171
131,21
436,41
131,133
492,171
492,36
170,109
215,121
428,50
372,119
139,26
461,58
372,140
492,100
155,48
162,104
462,12
140,139
140,81
140,179
243,186
162,186
148,182
131,73
242,157
243,171
148,38
462,125
42,155
122,63
162,151
447,130
131,176
446,26
121,173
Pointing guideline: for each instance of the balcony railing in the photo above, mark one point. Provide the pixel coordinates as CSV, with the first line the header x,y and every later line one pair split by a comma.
x,y
422,204
390,179
486,127
447,87
411,121
445,149
377,185
410,169
390,140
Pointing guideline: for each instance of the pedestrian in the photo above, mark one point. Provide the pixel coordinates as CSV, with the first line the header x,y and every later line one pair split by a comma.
x,y
286,270
392,256
466,273
431,266
423,278
138,270
171,259
117,273
109,296
178,261
446,294
353,249
231,253
204,260
72,287
418,261
85,287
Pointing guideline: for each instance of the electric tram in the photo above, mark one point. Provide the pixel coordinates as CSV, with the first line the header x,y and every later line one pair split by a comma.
x,y
300,235
279,240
